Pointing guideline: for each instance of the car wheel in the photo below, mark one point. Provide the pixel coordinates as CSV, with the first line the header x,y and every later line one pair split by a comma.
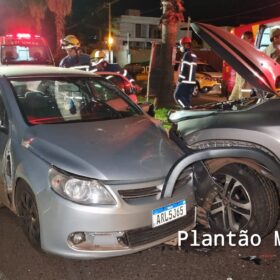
x,y
196,90
247,201
28,213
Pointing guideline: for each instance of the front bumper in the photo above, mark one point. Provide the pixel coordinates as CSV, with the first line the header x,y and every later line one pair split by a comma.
x,y
116,230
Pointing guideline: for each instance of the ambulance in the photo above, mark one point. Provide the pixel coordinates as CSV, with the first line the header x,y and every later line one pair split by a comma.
x,y
24,48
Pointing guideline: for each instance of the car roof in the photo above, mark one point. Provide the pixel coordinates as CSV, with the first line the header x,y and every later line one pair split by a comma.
x,y
35,70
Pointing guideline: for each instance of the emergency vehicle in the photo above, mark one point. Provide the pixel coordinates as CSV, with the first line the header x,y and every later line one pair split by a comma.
x,y
261,31
24,48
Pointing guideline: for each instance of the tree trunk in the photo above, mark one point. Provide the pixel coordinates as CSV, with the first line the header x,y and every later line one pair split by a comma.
x,y
153,86
166,88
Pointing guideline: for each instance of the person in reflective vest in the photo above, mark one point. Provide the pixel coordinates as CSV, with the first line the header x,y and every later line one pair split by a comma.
x,y
186,79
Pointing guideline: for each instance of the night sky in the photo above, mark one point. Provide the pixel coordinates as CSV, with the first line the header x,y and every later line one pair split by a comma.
x,y
217,12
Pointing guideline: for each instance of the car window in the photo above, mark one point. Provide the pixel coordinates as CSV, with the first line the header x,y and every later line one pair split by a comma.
x,y
265,40
118,81
71,99
3,114
18,54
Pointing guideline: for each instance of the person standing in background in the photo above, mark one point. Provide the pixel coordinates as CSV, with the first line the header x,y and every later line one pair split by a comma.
x,y
239,90
186,79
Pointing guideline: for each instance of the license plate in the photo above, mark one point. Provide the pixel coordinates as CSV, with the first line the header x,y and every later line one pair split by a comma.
x,y
169,213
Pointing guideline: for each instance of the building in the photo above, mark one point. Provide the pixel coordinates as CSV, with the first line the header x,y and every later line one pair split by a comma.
x,y
134,35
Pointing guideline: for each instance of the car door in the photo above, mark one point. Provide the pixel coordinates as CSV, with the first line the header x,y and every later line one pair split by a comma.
x,y
5,154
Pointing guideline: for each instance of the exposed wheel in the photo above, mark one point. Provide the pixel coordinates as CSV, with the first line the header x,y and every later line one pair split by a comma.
x,y
28,213
247,201
196,90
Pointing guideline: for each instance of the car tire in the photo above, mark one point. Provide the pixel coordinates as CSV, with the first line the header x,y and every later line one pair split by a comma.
x,y
248,201
196,91
28,213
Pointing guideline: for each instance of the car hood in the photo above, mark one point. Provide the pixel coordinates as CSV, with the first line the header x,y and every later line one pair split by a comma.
x,y
129,149
254,66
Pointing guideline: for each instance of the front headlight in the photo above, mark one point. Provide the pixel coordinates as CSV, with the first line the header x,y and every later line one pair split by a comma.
x,y
83,191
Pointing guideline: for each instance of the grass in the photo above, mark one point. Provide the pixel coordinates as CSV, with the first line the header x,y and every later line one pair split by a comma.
x,y
162,115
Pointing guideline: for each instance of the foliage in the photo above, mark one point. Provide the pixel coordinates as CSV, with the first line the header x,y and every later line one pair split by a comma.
x,y
172,11
37,10
61,8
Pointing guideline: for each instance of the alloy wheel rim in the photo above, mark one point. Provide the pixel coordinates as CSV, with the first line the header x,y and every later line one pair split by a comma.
x,y
232,207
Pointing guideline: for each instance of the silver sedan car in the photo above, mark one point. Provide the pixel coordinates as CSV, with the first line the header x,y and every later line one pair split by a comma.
x,y
84,168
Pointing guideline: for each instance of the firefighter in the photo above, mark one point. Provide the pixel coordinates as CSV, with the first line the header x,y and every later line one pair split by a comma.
x,y
74,57
186,79
100,63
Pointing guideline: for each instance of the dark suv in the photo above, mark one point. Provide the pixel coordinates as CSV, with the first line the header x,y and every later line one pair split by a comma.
x,y
233,148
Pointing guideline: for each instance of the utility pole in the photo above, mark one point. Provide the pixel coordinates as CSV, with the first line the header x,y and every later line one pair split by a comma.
x,y
110,39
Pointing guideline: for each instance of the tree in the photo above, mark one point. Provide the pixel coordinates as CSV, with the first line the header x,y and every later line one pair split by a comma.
x,y
172,15
61,9
37,10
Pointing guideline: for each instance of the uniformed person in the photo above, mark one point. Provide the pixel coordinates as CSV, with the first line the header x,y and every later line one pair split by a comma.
x,y
186,79
74,57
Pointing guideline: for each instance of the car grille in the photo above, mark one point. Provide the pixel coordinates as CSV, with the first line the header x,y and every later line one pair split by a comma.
x,y
138,193
155,190
142,236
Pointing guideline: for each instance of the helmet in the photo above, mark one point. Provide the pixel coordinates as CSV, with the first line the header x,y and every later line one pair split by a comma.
x,y
99,54
185,40
274,32
69,42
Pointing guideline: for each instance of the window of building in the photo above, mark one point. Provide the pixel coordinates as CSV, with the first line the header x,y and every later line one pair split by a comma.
x,y
141,30
154,31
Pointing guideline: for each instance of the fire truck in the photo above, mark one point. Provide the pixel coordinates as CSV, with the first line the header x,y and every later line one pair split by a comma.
x,y
261,31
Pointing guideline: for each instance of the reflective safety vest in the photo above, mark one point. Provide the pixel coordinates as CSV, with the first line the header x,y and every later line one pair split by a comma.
x,y
188,68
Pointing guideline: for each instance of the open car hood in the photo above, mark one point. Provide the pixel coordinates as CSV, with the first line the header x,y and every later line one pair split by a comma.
x,y
253,65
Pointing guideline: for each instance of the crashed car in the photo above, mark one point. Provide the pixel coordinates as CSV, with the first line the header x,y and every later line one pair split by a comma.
x,y
125,84
233,147
83,167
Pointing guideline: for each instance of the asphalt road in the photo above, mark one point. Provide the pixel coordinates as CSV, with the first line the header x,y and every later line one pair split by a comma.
x,y
20,261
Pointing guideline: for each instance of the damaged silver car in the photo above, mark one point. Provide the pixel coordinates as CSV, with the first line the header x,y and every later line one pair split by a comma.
x,y
83,167
233,147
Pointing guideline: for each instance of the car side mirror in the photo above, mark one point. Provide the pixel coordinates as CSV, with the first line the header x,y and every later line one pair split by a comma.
x,y
148,108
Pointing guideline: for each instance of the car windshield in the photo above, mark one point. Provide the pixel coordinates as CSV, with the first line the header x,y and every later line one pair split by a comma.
x,y
205,68
25,54
71,99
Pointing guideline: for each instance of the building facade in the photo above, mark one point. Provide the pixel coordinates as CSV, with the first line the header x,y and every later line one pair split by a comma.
x,y
134,35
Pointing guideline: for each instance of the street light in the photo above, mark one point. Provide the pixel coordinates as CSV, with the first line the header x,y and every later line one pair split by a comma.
x,y
110,39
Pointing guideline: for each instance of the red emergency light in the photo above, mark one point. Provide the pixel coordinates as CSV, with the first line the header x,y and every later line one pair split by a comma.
x,y
22,36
